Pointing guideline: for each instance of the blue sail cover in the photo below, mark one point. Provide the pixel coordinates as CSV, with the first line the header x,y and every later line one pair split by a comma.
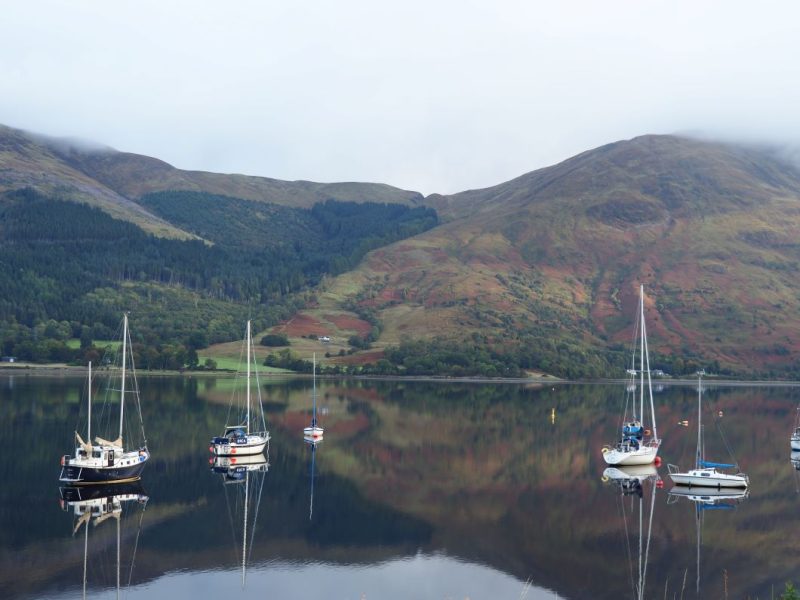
x,y
632,431
716,465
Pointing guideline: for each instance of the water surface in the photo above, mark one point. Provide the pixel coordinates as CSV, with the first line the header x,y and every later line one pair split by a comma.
x,y
420,490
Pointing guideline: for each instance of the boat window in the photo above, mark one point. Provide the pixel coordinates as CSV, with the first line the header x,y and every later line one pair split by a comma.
x,y
95,453
705,474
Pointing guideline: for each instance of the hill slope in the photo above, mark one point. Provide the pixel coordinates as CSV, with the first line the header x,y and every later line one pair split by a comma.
x,y
548,264
114,181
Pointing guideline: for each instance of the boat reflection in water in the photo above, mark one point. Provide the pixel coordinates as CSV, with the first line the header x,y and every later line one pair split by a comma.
x,y
633,483
243,482
97,504
312,442
705,499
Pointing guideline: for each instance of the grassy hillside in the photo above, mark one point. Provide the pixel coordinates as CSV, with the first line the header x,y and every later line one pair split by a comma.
x,y
539,273
29,162
547,266
114,181
69,270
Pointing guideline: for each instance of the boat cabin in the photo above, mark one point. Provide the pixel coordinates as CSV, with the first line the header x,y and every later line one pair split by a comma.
x,y
233,435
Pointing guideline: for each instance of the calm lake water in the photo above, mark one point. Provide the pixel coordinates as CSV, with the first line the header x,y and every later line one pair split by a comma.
x,y
419,490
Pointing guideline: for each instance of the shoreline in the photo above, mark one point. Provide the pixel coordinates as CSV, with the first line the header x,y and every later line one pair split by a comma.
x,y
64,369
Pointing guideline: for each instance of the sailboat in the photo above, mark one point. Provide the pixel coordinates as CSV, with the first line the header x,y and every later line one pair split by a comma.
x,y
794,441
706,474
238,473
314,432
100,503
238,438
107,461
631,482
636,445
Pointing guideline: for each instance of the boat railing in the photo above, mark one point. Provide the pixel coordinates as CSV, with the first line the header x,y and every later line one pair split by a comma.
x,y
673,469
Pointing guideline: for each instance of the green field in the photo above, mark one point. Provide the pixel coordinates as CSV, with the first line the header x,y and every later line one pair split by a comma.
x,y
112,344
233,364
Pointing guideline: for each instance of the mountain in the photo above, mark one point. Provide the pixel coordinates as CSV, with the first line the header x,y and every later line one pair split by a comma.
x,y
539,273
114,181
87,233
547,266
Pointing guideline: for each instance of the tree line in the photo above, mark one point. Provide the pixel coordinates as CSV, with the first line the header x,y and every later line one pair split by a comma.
x,y
74,265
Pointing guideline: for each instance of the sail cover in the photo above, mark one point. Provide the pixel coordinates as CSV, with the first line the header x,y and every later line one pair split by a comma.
x,y
716,465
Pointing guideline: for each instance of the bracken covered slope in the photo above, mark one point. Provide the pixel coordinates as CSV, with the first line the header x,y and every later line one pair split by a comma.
x,y
711,230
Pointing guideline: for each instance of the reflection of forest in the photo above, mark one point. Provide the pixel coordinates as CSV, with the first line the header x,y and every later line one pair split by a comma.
x,y
489,473
505,484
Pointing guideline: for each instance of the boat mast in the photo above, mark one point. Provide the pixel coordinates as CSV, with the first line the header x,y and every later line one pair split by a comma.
x,y
124,357
699,418
248,379
647,365
641,353
89,428
314,392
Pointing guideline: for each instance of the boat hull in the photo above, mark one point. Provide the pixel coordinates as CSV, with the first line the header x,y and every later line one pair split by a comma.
x,y
709,478
313,432
255,444
642,456
86,475
794,442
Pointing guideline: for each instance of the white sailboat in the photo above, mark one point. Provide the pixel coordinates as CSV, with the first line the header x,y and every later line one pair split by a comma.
x,y
107,461
706,474
314,431
238,439
794,440
637,445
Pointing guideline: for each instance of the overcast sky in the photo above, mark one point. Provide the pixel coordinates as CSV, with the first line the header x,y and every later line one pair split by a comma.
x,y
434,96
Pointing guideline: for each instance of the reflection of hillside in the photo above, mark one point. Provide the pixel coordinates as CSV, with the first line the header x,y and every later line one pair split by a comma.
x,y
504,486
479,472
49,564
